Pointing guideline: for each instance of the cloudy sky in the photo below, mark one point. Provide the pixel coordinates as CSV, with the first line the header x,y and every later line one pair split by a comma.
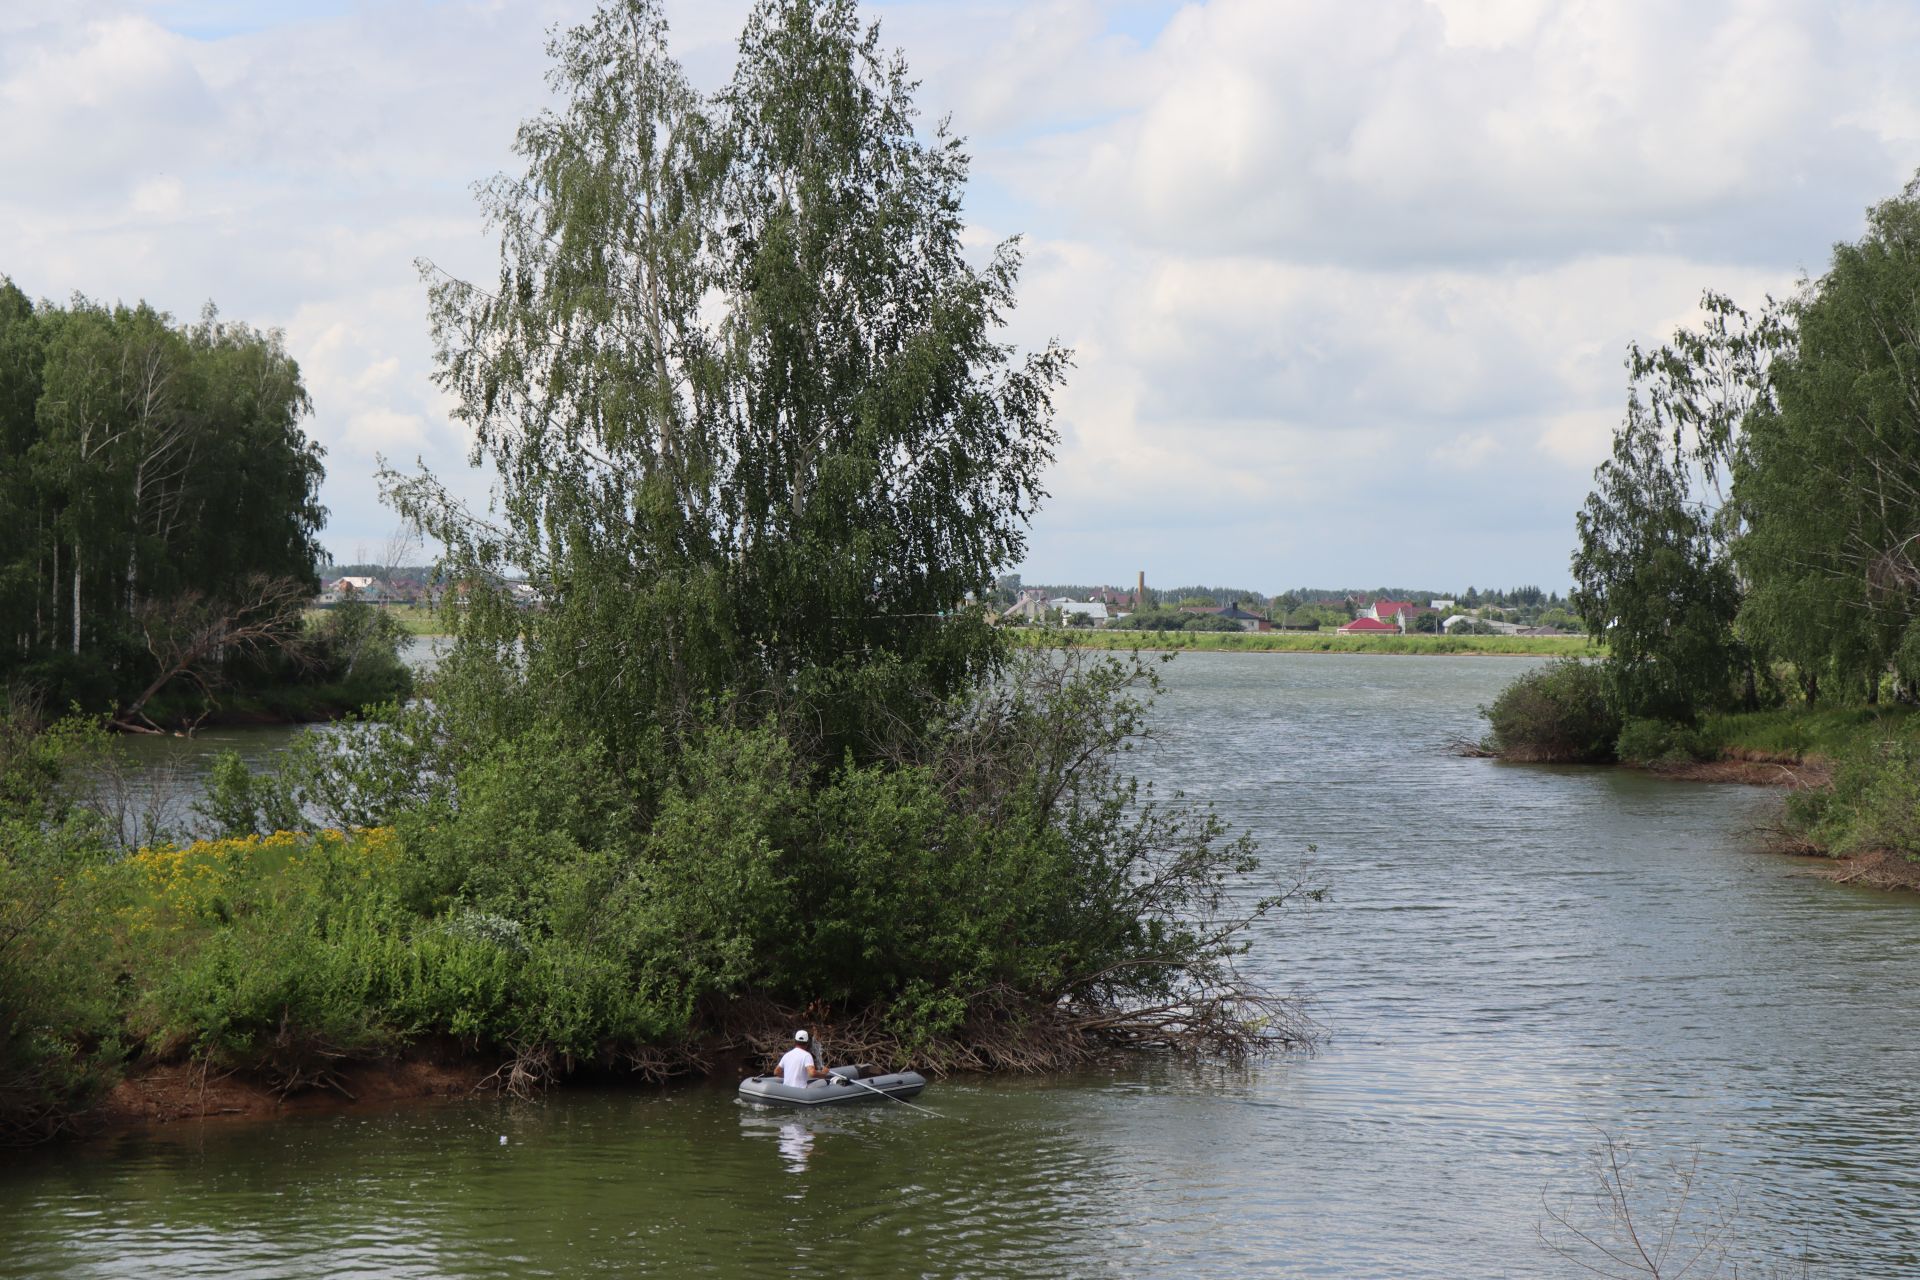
x,y
1349,280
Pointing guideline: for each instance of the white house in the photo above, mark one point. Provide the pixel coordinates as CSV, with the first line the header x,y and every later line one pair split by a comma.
x,y
1091,609
370,590
1459,620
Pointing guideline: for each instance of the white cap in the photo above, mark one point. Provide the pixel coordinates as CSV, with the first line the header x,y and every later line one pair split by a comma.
x,y
799,1037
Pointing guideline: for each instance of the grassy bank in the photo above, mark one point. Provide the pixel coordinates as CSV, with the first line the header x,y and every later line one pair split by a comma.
x,y
1311,642
1802,735
1857,770
1852,771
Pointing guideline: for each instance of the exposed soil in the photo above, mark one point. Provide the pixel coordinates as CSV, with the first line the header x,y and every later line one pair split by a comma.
x,y
183,1091
1795,775
1882,870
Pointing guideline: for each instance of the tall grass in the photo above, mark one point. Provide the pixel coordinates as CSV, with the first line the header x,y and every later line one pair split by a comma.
x,y
1801,733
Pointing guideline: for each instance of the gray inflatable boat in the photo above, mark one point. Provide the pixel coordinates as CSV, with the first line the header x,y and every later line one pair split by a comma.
x,y
843,1085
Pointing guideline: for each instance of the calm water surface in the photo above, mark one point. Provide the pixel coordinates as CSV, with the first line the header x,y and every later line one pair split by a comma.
x,y
1514,961
157,798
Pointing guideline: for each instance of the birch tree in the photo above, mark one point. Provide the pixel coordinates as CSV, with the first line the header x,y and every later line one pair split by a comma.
x,y
756,434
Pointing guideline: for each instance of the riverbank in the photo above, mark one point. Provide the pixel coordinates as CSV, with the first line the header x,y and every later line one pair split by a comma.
x,y
1851,773
1797,748
151,1092
191,1091
279,704
1308,642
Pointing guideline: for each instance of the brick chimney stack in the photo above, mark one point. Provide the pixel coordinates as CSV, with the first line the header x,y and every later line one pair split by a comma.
x,y
1140,591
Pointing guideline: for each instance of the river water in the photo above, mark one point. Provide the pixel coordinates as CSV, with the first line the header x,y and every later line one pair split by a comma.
x,y
1515,965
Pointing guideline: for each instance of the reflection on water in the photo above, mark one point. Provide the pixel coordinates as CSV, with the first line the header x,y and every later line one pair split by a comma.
x,y
796,1144
1511,957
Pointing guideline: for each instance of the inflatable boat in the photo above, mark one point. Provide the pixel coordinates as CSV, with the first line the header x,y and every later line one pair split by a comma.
x,y
859,1083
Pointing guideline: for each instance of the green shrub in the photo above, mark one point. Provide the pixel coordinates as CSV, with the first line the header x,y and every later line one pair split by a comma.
x,y
362,772
1557,713
1661,742
59,1007
267,954
1873,805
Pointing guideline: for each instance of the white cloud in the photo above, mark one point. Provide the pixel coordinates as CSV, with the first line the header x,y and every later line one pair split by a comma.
x,y
97,107
1349,286
1303,131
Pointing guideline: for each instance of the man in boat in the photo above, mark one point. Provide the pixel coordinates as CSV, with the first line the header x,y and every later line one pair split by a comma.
x,y
797,1065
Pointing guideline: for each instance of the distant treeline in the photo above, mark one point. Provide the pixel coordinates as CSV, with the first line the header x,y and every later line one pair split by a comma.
x,y
1522,597
1525,597
417,572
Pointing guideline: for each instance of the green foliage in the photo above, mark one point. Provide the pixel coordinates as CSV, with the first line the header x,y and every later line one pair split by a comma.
x,y
1825,475
1173,620
142,463
357,641
1781,443
57,998
1013,862
1560,713
58,1002
1651,581
364,771
756,430
1873,805
1662,742
37,760
1799,732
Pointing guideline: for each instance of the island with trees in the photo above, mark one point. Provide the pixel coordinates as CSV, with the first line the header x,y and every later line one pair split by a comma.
x,y
756,436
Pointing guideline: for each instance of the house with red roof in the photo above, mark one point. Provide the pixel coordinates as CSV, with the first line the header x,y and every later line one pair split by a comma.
x,y
1386,610
1365,626
1400,612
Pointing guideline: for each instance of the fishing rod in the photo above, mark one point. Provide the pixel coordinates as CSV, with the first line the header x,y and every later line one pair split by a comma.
x,y
890,1098
854,1079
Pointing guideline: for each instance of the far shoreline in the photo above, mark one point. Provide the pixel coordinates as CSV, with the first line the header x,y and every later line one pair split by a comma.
x,y
1285,642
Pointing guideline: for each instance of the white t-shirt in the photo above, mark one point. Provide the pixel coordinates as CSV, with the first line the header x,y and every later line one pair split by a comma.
x,y
793,1067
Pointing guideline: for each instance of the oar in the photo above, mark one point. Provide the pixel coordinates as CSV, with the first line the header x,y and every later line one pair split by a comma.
x,y
890,1098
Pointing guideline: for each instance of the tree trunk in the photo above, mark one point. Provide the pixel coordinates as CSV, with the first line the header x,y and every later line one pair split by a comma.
x,y
133,545
76,600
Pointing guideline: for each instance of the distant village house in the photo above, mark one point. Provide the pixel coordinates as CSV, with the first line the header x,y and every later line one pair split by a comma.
x,y
366,590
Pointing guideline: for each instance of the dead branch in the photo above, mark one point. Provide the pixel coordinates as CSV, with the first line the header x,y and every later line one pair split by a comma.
x,y
191,635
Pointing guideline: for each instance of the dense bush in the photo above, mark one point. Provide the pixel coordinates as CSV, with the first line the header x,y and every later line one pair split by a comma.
x,y
1873,805
58,1002
1557,713
1661,742
57,997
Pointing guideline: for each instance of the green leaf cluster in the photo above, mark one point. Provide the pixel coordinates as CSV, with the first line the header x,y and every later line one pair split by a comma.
x,y
140,460
758,437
